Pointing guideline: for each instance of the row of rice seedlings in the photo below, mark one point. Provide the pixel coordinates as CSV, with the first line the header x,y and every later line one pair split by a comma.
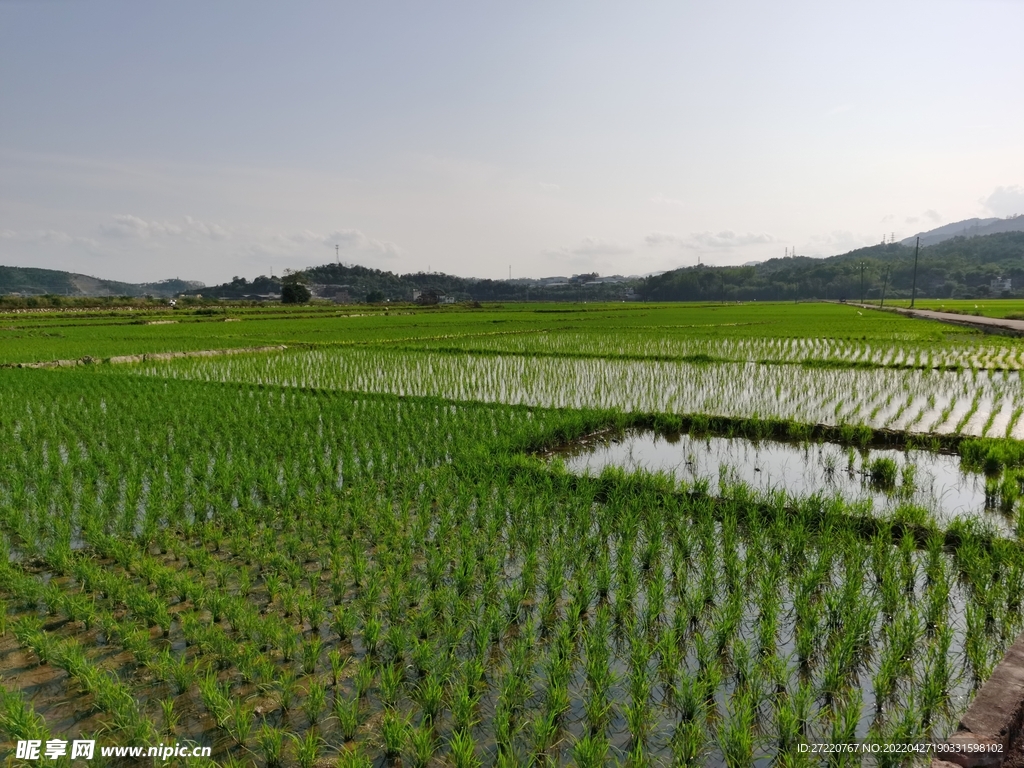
x,y
661,342
810,395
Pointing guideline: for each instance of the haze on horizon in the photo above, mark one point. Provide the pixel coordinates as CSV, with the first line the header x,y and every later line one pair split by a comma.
x,y
141,141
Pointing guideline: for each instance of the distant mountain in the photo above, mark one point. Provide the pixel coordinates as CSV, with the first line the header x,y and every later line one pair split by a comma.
x,y
957,267
967,228
30,281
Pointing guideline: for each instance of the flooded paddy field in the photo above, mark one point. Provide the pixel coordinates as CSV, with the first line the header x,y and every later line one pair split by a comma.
x,y
877,479
360,552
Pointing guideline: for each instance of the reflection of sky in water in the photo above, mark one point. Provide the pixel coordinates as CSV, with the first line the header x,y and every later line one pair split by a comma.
x,y
798,469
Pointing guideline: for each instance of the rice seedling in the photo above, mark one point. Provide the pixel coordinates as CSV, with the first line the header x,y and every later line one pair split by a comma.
x,y
311,650
315,701
590,751
307,748
462,750
287,686
394,731
271,744
170,717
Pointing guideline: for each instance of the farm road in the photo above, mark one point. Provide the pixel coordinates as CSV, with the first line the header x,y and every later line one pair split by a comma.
x,y
995,324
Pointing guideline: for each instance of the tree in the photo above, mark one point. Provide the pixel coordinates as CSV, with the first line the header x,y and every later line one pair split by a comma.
x,y
293,291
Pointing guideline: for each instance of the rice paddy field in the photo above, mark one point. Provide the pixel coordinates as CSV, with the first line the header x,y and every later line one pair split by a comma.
x,y
542,535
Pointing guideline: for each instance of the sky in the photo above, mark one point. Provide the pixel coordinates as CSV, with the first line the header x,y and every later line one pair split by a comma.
x,y
145,141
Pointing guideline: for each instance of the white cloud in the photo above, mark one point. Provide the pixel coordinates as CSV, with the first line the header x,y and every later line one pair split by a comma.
x,y
710,240
37,236
126,225
835,242
930,216
590,247
355,240
729,239
547,186
1005,201
48,237
206,229
296,244
664,238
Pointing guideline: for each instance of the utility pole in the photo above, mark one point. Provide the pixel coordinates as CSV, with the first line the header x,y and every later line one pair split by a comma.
x,y
884,284
913,292
862,282
337,254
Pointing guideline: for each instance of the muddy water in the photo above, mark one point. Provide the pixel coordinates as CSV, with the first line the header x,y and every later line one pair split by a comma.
x,y
930,480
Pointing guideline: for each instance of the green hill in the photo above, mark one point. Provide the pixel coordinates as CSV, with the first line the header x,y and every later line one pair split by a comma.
x,y
31,281
956,268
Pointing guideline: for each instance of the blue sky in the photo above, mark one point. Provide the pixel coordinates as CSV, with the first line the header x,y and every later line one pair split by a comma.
x,y
141,141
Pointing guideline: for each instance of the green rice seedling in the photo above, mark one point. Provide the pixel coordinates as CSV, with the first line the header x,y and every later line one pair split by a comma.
x,y
353,757
844,726
976,645
788,727
315,702
170,717
597,710
544,734
363,678
287,686
908,481
288,644
394,732
422,745
735,733
17,718
315,610
311,650
883,473
371,635
475,671
136,641
639,718
590,751
802,700
464,707
240,720
338,664
462,750
391,680
689,743
637,756
884,682
346,711
307,748
429,694
271,744
214,698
